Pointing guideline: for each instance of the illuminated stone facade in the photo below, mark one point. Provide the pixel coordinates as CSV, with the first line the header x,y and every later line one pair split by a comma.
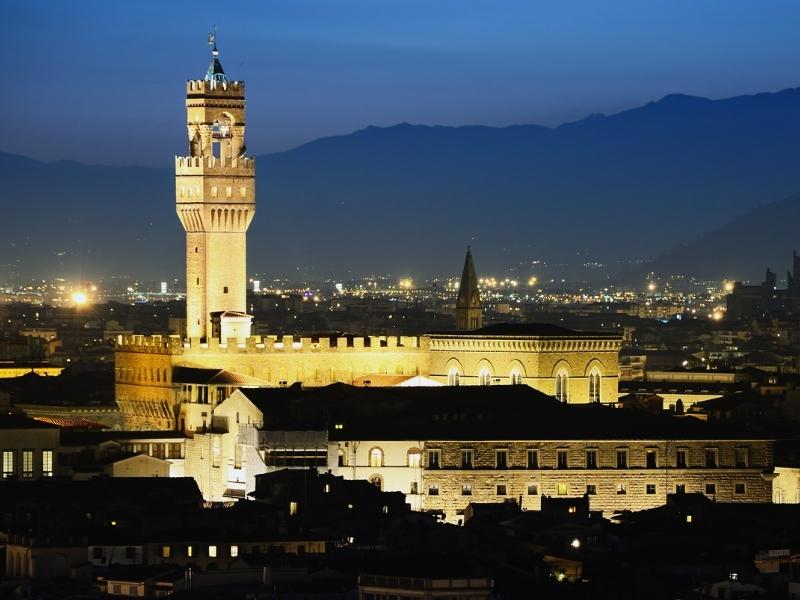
x,y
215,202
585,364
562,468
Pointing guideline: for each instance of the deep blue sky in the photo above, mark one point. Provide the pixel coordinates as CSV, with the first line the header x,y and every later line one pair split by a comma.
x,y
101,81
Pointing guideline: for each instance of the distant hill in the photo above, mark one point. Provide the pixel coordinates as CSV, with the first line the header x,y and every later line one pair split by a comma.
x,y
743,248
407,199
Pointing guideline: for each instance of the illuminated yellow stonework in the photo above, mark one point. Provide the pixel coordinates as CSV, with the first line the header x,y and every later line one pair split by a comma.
x,y
215,202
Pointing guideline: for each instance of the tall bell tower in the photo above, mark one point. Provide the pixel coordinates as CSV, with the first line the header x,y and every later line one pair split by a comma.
x,y
215,196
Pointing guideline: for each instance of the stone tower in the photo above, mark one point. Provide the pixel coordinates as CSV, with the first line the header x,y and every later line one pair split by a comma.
x,y
215,201
469,310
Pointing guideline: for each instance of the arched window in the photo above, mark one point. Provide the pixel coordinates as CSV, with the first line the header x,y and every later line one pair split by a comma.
x,y
376,457
414,457
562,386
453,376
376,481
594,385
516,377
484,376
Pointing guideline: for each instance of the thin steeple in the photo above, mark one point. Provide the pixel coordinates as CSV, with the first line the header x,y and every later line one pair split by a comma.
x,y
215,72
468,295
469,310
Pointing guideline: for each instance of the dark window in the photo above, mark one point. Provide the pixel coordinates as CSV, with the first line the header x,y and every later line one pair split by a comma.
x,y
225,290
467,455
742,458
711,488
501,459
97,552
591,459
466,489
130,552
650,459
622,488
622,459
738,488
562,459
501,490
533,489
711,458
591,489
680,488
433,490
651,488
433,459
533,459
680,459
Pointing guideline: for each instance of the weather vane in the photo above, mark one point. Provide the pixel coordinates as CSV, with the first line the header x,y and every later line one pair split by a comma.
x,y
212,39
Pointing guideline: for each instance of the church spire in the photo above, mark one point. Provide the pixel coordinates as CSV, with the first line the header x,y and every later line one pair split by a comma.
x,y
469,310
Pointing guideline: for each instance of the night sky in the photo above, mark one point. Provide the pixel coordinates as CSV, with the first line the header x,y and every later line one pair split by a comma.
x,y
102,82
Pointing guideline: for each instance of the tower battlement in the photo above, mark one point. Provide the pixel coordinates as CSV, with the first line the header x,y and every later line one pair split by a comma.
x,y
211,165
226,89
173,344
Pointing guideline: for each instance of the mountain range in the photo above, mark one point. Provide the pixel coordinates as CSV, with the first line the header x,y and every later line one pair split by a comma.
x,y
685,184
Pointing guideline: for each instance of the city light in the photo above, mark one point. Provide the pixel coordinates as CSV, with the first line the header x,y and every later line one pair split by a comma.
x,y
80,298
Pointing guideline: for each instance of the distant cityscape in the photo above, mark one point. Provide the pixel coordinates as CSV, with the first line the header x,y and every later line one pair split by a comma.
x,y
486,435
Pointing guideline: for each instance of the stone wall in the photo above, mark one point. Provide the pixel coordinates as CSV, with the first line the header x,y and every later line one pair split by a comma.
x,y
615,489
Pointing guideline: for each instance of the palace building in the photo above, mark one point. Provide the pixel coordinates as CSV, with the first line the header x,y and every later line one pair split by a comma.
x,y
174,382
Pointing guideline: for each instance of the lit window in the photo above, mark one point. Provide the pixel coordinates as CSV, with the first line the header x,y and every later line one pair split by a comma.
x,y
453,377
47,463
166,551
27,464
484,377
562,489
234,551
516,377
216,452
212,552
562,386
189,551
414,458
594,386
292,508
376,457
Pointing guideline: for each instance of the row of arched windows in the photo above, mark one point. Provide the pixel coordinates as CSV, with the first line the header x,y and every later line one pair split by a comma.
x,y
376,457
143,374
515,378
